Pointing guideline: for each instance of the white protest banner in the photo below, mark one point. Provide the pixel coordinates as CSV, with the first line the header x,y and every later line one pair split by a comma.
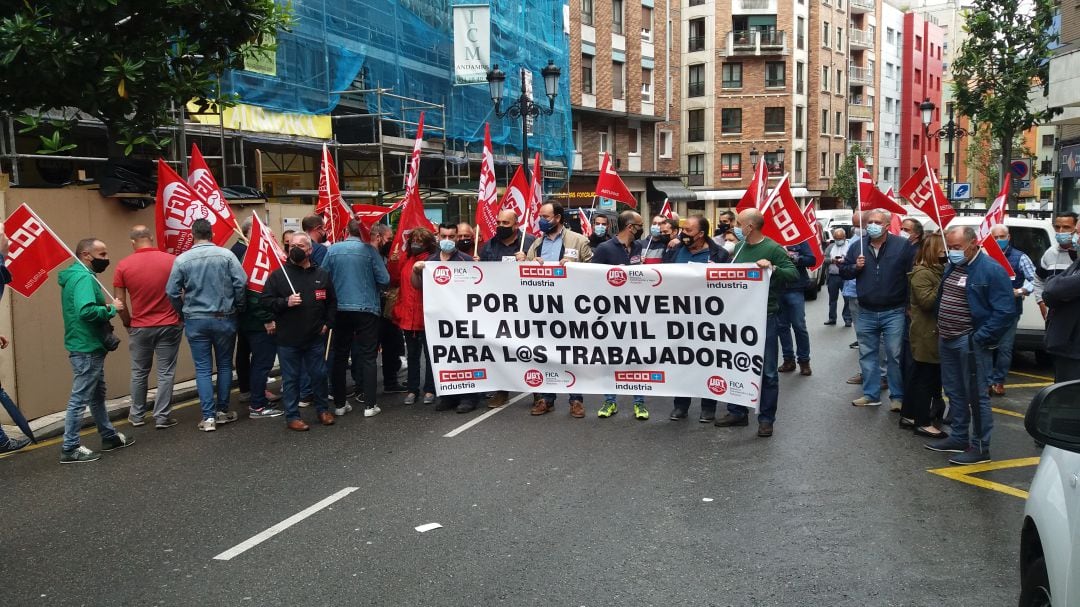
x,y
693,330
472,43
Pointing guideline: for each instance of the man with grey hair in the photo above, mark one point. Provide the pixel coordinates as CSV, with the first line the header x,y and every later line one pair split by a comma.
x,y
1023,284
975,307
152,324
834,257
879,262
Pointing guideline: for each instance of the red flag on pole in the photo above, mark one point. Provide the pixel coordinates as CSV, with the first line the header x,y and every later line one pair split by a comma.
x,y
586,225
665,211
869,196
263,255
924,192
412,174
536,198
516,194
368,215
610,185
178,206
331,205
757,194
487,203
411,205
202,181
995,215
784,220
34,251
815,242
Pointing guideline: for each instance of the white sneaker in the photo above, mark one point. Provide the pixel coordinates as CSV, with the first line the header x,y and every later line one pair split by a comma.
x,y
208,425
343,410
224,418
372,411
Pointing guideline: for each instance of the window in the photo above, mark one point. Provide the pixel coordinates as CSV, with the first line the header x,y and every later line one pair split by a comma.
x,y
800,33
839,123
732,74
890,35
618,81
774,73
730,165
665,143
586,74
731,121
695,169
697,2
798,165
915,142
575,135
825,78
825,34
800,68
889,71
836,161
839,37
774,120
824,122
646,85
1047,142
918,76
646,23
696,40
799,111
838,83
633,135
586,12
695,80
605,141
695,125
824,163
918,43
772,164
616,16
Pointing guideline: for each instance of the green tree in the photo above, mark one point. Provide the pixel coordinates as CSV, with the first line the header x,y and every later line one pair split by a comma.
x,y
1007,52
844,184
126,63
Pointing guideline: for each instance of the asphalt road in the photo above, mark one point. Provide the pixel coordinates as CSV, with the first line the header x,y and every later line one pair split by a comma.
x,y
838,508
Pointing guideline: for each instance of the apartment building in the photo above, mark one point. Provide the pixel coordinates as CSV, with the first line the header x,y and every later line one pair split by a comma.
x,y
890,108
625,97
1065,93
922,79
864,79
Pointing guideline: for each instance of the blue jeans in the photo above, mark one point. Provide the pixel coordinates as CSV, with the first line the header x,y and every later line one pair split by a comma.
x,y
770,377
87,390
875,329
793,318
296,363
955,368
1003,355
416,345
212,339
9,403
550,397
639,399
263,350
835,284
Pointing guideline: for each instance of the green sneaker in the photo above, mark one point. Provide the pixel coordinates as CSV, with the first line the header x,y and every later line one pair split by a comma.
x,y
640,411
609,409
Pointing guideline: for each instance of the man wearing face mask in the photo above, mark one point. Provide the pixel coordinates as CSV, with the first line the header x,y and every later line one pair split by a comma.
x,y
85,313
1061,295
755,247
1023,285
879,263
656,243
507,241
466,238
792,317
976,304
834,257
912,229
391,340
1058,258
602,224
314,228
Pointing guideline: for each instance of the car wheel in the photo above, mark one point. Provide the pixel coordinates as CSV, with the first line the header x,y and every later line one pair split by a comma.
x,y
1035,585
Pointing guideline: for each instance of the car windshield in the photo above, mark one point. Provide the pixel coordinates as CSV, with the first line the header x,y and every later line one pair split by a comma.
x,y
1032,241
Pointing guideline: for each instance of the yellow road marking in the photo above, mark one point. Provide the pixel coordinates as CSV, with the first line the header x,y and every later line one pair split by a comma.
x,y
1032,375
1033,385
965,474
1007,412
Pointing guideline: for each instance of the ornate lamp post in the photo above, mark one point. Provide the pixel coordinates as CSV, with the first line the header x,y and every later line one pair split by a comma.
x,y
949,131
524,107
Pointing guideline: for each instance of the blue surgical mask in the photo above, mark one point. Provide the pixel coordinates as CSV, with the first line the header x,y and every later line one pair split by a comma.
x,y
654,231
1003,243
957,257
739,234
874,230
840,243
447,246
1064,238
546,225
600,229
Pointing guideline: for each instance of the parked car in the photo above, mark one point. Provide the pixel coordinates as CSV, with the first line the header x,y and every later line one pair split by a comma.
x,y
1050,536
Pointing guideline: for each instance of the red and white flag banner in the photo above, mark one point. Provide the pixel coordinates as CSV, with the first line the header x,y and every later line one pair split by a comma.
x,y
178,206
784,220
924,192
487,203
610,185
33,251
412,172
536,198
331,206
756,195
516,194
995,215
202,181
665,211
263,256
586,225
810,214
869,196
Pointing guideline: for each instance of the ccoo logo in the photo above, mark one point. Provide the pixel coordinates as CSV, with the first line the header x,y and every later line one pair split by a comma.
x,y
441,275
616,277
717,385
463,375
534,378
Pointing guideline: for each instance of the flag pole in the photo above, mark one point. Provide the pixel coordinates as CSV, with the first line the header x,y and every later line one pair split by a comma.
x,y
524,226
933,194
476,241
262,231
68,249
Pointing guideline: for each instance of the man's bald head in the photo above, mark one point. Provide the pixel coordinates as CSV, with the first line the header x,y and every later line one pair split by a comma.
x,y
753,218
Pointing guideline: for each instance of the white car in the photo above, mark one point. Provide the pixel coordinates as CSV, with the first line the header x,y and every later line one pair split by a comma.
x,y
1050,536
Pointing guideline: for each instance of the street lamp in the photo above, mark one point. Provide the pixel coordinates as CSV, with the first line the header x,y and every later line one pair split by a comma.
x,y
524,107
754,155
780,157
949,131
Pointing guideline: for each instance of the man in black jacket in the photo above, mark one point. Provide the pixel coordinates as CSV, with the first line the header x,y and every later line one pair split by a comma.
x,y
507,241
303,301
1061,294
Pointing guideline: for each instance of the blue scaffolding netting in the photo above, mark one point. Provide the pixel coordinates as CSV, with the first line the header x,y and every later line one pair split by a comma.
x,y
407,46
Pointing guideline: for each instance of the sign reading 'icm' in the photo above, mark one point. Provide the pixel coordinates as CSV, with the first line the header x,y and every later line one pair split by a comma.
x,y
472,43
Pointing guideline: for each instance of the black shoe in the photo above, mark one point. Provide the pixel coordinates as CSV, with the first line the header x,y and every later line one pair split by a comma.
x,y
466,407
119,441
907,422
14,444
854,345
848,325
677,414
706,417
830,322
764,429
444,404
730,420
165,423
394,389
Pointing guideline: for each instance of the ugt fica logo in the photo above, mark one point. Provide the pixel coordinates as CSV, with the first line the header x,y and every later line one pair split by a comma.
x,y
442,275
616,277
717,385
534,378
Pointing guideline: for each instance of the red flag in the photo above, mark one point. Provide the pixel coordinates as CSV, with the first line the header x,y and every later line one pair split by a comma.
x,y
202,181
815,243
757,193
412,174
178,206
487,204
895,224
784,220
516,194
263,255
335,213
586,225
610,185
924,192
369,215
34,251
995,215
869,196
665,211
536,198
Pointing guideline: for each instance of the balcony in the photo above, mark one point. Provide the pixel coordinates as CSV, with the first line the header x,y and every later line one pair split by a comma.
x,y
860,76
861,39
754,7
744,43
865,145
861,6
860,113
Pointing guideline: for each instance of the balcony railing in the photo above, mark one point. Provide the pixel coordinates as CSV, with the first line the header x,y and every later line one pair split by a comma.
x,y
861,6
695,43
754,42
695,179
861,38
865,145
860,75
757,5
860,113
695,89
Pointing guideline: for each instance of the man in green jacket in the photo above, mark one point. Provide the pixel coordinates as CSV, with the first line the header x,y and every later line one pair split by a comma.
x,y
755,247
85,316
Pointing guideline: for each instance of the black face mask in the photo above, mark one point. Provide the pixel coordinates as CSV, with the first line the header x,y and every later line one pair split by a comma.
x,y
465,245
415,249
504,232
722,229
297,255
98,265
687,241
636,232
385,250
662,239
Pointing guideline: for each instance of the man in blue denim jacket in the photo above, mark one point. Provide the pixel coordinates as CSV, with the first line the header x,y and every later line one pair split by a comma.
x,y
206,286
358,273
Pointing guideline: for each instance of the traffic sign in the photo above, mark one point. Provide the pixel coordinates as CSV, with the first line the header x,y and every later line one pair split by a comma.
x,y
1020,169
961,191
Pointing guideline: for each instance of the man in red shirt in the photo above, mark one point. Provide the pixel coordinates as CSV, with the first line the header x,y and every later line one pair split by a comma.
x,y
152,324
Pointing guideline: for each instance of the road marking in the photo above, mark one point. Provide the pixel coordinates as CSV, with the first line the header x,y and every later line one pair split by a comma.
x,y
1007,412
261,537
1042,384
473,422
965,474
1032,375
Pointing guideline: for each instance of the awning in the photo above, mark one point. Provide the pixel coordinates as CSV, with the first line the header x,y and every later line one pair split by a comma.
x,y
674,191
737,194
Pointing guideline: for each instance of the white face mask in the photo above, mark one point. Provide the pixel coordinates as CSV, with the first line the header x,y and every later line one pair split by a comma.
x,y
729,246
905,234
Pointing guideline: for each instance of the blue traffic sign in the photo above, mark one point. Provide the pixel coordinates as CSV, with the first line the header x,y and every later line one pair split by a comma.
x,y
1019,169
961,191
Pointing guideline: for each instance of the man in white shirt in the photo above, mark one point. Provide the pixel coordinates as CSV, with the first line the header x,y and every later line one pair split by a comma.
x,y
834,256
